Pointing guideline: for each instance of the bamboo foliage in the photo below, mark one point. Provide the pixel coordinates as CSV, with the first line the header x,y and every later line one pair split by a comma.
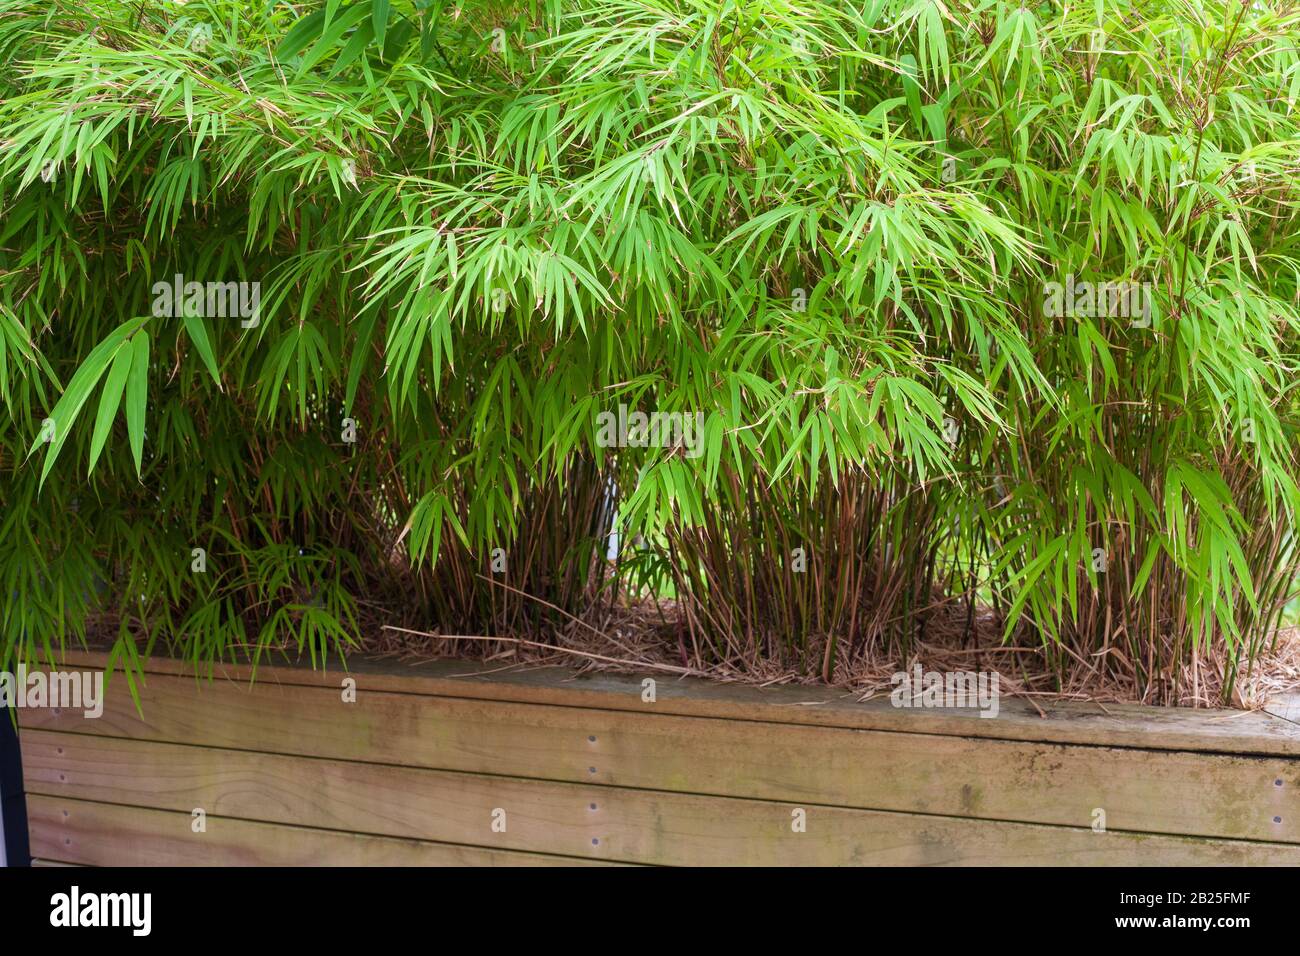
x,y
977,306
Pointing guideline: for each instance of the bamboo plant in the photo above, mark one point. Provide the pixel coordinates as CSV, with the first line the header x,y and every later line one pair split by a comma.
x,y
310,313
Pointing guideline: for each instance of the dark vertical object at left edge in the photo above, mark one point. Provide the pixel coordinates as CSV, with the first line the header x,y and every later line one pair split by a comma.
x,y
13,807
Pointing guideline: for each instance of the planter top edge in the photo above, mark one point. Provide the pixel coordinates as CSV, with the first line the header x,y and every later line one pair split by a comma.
x,y
1272,732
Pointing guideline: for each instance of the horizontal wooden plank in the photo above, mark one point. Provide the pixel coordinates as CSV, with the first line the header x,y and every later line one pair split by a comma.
x,y
100,834
1146,791
1125,725
606,823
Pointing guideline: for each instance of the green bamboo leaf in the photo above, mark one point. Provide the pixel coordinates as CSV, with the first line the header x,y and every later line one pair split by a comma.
x,y
109,401
300,34
83,382
912,90
137,392
197,330
379,19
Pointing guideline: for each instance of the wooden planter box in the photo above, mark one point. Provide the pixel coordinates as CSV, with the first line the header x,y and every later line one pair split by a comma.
x,y
429,762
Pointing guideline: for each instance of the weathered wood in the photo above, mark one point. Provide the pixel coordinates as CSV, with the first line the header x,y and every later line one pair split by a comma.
x,y
98,834
1285,707
1151,728
586,771
548,818
1142,791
